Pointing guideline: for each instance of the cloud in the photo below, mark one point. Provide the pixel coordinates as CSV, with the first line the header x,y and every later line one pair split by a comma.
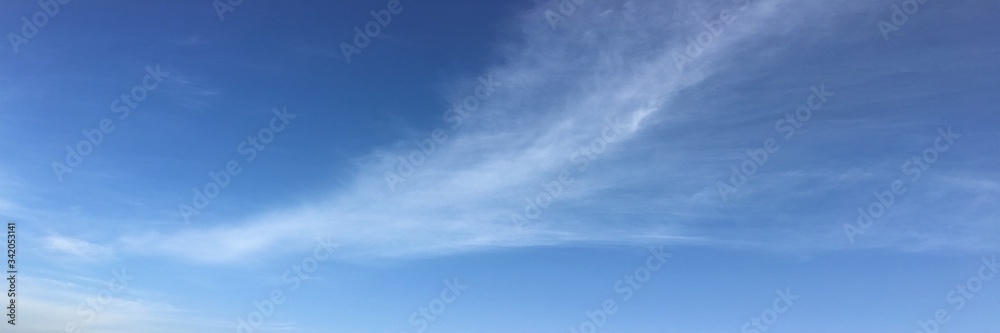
x,y
55,305
76,248
605,65
558,91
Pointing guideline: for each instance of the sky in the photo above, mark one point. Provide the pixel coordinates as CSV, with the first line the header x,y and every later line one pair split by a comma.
x,y
502,166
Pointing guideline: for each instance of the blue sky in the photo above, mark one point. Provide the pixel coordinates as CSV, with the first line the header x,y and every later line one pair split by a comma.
x,y
508,166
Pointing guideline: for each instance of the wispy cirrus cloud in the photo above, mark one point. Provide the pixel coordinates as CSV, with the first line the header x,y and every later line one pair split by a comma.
x,y
76,248
74,304
607,64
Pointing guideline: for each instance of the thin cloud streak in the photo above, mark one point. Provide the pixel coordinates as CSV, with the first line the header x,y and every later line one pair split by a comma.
x,y
559,88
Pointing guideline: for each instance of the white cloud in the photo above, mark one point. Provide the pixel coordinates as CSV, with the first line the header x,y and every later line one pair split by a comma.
x,y
77,248
49,305
559,87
